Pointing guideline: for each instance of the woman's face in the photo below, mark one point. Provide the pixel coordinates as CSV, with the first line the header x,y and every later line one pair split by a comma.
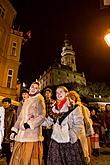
x,y
34,88
25,96
60,94
108,107
48,95
93,112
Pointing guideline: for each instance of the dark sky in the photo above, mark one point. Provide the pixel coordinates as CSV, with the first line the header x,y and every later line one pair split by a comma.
x,y
83,21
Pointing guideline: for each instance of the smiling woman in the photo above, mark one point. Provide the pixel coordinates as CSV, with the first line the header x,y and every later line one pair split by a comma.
x,y
67,122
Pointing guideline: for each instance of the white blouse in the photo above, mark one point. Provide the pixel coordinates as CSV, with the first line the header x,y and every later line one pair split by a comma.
x,y
70,127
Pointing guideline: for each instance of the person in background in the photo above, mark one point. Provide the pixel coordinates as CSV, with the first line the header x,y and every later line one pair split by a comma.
x,y
48,100
67,121
47,131
9,121
27,131
101,119
95,138
25,95
88,123
2,115
107,122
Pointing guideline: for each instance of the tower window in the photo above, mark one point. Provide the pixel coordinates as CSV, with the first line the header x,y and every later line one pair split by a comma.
x,y
72,61
13,52
9,78
2,11
58,72
10,72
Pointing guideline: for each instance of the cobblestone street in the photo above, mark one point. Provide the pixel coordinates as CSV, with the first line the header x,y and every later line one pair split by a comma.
x,y
102,159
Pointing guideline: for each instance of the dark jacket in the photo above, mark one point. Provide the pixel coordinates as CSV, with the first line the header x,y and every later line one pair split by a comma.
x,y
9,121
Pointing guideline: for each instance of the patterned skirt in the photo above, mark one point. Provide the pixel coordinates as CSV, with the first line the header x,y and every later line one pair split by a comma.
x,y
65,154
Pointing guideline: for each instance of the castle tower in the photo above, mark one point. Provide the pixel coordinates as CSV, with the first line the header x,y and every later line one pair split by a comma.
x,y
68,55
64,72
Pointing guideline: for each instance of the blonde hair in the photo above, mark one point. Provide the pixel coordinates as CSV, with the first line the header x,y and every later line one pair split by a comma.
x,y
64,88
74,95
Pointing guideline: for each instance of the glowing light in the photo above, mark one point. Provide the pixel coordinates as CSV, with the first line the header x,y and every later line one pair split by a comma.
x,y
100,96
24,85
107,39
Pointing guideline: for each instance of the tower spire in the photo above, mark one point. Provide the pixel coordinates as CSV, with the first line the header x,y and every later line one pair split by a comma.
x,y
68,55
66,41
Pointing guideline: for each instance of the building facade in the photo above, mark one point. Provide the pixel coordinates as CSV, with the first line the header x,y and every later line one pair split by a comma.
x,y
10,47
65,72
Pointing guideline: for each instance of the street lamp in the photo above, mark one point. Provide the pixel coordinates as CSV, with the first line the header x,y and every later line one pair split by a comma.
x,y
100,97
24,84
107,39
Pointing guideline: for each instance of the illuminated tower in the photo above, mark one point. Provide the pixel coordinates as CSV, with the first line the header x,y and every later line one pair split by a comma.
x,y
68,55
64,72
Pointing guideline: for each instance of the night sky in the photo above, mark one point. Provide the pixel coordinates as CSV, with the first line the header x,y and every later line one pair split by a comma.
x,y
49,21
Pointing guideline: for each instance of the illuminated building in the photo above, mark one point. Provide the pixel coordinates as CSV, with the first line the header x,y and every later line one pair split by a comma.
x,y
63,72
10,47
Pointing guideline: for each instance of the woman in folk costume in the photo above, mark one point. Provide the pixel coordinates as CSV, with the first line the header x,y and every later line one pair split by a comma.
x,y
88,125
67,121
87,129
28,148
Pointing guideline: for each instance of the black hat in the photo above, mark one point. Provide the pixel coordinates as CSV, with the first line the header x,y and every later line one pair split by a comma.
x,y
6,100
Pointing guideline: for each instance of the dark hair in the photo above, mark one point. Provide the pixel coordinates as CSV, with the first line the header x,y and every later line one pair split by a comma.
x,y
6,100
24,90
47,89
106,106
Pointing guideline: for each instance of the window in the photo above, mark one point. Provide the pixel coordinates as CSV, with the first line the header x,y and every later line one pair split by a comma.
x,y
72,61
2,11
0,34
9,78
58,72
13,52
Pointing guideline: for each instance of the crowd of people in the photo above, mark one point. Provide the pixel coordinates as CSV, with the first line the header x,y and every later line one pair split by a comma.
x,y
101,124
47,131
